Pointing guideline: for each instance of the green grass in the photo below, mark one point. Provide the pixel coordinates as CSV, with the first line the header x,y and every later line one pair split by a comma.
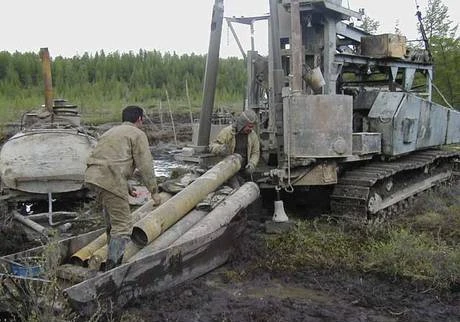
x,y
421,248
96,110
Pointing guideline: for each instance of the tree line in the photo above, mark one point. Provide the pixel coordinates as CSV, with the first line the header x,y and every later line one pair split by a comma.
x,y
104,80
143,77
444,45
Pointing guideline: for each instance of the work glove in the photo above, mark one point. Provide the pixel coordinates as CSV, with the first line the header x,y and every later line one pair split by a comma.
x,y
249,169
156,199
222,149
132,191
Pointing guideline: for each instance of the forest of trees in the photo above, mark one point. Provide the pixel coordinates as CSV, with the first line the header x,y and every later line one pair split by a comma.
x,y
445,48
444,45
110,80
104,80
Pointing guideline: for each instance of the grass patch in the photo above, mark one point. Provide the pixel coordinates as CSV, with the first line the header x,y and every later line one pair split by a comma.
x,y
414,256
421,248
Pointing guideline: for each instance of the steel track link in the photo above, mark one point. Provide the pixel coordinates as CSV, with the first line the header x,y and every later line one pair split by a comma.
x,y
381,189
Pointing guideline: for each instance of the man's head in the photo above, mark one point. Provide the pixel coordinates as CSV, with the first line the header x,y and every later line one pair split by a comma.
x,y
246,121
133,114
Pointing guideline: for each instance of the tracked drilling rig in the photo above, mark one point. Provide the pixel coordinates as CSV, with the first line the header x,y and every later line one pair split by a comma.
x,y
343,109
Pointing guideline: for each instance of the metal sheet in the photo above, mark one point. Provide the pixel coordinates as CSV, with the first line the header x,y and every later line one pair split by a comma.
x,y
366,143
432,125
322,174
405,129
381,117
43,161
385,45
408,123
318,126
453,127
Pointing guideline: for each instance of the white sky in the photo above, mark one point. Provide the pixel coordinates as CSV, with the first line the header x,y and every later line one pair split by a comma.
x,y
71,27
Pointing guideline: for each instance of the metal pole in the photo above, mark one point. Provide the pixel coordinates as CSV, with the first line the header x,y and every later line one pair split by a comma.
x,y
252,36
296,47
166,238
172,118
189,102
210,77
223,213
47,79
151,226
235,36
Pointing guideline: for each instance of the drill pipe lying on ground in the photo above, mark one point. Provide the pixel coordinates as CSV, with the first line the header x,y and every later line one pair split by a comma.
x,y
223,213
99,245
152,225
134,251
198,223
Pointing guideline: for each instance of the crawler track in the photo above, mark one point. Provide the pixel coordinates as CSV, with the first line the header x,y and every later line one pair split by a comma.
x,y
385,188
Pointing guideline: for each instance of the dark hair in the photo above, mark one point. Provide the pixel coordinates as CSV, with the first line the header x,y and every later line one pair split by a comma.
x,y
131,113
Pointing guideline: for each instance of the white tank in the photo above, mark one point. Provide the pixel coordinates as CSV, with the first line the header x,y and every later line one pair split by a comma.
x,y
45,160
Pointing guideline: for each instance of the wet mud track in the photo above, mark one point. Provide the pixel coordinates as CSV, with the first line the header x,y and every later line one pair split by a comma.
x,y
232,293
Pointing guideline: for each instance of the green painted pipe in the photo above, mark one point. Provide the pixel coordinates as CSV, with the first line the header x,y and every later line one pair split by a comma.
x,y
152,225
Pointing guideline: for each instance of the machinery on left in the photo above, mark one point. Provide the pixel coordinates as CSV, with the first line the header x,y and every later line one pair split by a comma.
x,y
46,159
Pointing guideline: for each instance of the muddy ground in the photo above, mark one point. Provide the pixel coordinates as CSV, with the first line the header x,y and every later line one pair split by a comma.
x,y
239,291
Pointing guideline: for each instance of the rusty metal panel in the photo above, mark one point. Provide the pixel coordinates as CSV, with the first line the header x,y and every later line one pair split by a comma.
x,y
366,143
385,45
321,174
432,126
317,126
453,127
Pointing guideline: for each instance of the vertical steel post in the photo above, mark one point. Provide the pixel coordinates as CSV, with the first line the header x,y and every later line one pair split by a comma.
x,y
210,76
296,47
47,79
276,79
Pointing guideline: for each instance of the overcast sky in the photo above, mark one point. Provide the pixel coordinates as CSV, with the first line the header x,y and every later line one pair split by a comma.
x,y
71,27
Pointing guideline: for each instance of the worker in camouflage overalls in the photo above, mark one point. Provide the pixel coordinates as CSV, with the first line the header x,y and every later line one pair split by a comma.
x,y
117,154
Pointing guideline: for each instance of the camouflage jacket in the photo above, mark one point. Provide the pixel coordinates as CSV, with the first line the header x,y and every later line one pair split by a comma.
x,y
117,154
227,136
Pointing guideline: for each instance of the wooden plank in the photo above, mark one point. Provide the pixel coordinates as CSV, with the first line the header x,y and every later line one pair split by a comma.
x,y
157,272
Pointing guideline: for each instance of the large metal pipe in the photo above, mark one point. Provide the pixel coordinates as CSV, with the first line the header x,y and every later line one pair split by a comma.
x,y
152,225
210,75
296,47
223,213
83,256
47,79
166,238
198,221
30,223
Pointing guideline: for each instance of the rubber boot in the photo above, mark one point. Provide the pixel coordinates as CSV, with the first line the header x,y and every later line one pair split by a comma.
x,y
115,251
